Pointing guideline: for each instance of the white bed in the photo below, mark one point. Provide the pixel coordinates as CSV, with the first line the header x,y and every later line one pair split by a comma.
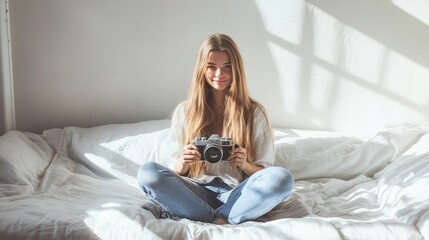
x,y
80,183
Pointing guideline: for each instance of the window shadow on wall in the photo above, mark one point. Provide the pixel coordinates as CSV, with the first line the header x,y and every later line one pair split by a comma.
x,y
401,32
385,23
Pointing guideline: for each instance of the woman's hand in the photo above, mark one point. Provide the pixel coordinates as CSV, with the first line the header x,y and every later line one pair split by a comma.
x,y
238,158
189,154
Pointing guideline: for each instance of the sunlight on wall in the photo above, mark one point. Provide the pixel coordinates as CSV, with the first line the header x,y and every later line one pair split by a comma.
x,y
283,58
328,35
411,89
416,8
275,18
363,57
325,82
338,76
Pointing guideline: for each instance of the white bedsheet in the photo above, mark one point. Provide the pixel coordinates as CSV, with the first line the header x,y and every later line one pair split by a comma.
x,y
79,183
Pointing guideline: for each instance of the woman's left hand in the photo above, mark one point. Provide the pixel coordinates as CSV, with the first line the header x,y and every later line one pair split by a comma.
x,y
238,157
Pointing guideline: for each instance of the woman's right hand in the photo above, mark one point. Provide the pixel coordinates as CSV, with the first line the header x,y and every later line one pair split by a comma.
x,y
189,154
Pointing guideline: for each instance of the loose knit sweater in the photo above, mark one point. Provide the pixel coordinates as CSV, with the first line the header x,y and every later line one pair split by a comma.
x,y
263,142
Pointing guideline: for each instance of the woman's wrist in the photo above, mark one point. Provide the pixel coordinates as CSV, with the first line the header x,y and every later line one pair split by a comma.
x,y
181,167
245,167
249,168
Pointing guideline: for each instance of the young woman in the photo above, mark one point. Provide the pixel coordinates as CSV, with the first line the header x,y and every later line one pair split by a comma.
x,y
245,186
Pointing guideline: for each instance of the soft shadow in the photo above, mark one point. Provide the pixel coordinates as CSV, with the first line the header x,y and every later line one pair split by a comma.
x,y
392,27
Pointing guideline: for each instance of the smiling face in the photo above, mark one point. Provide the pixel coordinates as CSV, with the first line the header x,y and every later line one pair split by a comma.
x,y
218,70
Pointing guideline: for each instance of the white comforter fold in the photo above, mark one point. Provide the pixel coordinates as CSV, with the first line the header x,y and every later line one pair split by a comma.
x,y
79,183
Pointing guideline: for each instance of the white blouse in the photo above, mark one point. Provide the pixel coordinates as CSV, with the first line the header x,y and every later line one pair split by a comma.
x,y
264,148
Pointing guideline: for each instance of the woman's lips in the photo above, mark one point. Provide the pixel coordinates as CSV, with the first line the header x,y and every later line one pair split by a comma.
x,y
217,80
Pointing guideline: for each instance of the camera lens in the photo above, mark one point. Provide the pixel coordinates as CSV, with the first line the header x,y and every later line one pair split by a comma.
x,y
213,153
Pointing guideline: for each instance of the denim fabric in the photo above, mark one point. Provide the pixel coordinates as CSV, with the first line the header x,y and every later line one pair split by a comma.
x,y
252,198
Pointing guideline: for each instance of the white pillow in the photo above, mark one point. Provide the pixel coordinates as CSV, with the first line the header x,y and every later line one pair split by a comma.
x,y
23,158
117,151
316,154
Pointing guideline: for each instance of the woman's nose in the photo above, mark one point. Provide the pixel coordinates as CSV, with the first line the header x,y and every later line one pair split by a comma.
x,y
218,72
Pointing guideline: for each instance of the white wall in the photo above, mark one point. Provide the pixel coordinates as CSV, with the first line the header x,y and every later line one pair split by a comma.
x,y
335,65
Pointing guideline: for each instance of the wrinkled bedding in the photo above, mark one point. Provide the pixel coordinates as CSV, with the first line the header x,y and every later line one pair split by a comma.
x,y
80,183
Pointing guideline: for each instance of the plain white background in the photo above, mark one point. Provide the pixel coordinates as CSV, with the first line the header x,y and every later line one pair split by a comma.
x,y
338,65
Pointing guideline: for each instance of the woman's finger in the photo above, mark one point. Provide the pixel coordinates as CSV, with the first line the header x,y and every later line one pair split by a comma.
x,y
239,154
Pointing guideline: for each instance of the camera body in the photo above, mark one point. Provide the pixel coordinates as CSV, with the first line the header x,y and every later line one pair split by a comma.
x,y
214,148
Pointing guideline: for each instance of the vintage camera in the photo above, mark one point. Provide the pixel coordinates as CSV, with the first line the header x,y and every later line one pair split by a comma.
x,y
213,149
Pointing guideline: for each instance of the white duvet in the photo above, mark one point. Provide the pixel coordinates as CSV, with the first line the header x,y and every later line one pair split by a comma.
x,y
80,183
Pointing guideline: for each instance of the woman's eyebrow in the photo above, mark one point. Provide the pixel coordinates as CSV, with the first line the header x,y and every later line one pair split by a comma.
x,y
227,63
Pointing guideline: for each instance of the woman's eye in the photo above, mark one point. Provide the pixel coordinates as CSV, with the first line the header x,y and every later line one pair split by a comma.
x,y
212,68
228,67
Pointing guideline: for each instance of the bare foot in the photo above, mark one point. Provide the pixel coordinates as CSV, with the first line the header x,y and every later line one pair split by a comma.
x,y
220,221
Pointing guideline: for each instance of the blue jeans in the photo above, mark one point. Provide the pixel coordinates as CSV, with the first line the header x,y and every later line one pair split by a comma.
x,y
251,199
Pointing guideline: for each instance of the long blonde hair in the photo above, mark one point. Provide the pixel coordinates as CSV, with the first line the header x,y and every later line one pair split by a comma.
x,y
239,107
